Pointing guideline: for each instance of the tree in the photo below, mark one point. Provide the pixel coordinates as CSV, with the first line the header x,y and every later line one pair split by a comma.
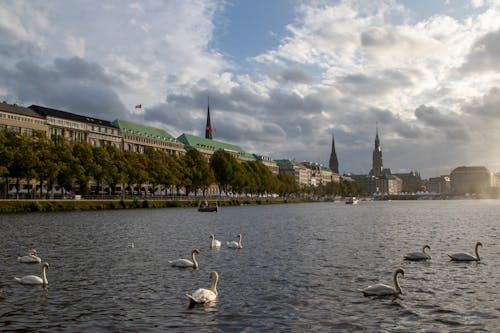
x,y
198,171
225,168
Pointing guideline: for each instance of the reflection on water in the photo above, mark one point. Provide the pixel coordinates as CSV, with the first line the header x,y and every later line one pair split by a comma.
x,y
300,269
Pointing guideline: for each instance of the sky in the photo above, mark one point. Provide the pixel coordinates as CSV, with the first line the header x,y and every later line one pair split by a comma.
x,y
282,76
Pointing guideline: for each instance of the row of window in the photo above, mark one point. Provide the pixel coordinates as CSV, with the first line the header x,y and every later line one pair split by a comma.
x,y
21,118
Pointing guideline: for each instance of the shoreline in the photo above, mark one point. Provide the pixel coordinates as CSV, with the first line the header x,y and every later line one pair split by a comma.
x,y
64,205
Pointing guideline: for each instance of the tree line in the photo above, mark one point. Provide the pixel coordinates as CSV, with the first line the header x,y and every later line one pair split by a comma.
x,y
73,166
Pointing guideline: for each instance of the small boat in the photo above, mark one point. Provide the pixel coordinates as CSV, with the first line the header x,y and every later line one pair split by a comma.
x,y
206,207
351,200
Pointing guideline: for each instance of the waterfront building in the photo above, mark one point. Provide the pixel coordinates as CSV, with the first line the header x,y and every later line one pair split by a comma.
x,y
136,137
208,126
301,173
22,120
440,185
470,180
320,175
334,162
412,183
208,147
269,163
76,128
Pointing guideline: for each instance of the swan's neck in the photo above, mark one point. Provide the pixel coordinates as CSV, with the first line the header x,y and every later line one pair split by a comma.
x,y
193,256
44,276
239,240
423,249
396,282
213,287
477,253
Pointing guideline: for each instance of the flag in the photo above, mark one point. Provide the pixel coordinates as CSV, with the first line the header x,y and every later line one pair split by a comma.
x,y
138,106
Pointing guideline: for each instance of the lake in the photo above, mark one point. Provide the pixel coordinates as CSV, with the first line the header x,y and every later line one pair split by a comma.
x,y
300,269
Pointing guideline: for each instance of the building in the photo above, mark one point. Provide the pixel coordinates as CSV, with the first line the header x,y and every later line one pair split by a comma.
x,y
320,175
76,128
208,147
22,120
269,163
208,126
470,180
440,185
301,173
412,183
136,137
377,165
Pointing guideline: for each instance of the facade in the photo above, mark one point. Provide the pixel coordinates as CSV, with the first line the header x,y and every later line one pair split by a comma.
x,y
77,128
470,180
208,147
269,163
440,185
301,173
334,162
22,120
136,137
320,175
412,183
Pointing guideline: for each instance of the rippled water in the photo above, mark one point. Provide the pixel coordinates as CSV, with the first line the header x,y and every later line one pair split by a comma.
x,y
300,269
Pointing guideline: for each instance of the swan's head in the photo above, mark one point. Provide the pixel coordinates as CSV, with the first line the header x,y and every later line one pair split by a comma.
x,y
195,251
427,247
32,252
46,264
479,244
399,271
212,236
239,235
214,275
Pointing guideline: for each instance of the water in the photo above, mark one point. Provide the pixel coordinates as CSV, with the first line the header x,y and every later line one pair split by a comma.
x,y
300,269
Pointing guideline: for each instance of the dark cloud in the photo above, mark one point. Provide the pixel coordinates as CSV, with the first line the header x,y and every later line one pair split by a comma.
x,y
377,37
487,106
484,54
448,124
292,75
379,83
73,85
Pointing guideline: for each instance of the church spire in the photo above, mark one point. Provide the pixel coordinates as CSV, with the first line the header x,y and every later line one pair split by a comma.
x,y
334,163
377,168
208,126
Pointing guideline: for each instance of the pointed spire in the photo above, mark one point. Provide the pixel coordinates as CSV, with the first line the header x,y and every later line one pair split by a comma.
x,y
334,163
208,126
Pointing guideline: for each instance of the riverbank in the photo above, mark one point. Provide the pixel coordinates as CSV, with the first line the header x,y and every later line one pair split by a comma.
x,y
28,206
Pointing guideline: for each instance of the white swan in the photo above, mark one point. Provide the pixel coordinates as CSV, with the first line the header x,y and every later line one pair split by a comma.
x,y
184,263
202,296
33,279
380,289
30,258
214,242
418,255
466,256
234,244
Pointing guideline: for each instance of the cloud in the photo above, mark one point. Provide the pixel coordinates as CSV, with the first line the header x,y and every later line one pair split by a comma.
x,y
449,125
484,54
75,45
486,106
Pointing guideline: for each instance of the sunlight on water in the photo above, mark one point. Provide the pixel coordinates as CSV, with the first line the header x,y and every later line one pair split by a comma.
x,y
300,269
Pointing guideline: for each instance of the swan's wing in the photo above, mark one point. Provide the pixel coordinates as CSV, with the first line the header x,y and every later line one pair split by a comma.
x,y
416,256
29,259
379,289
181,263
29,279
462,257
202,296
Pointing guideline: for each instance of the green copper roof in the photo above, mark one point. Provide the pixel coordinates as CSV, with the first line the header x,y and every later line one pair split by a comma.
x,y
192,141
285,164
142,130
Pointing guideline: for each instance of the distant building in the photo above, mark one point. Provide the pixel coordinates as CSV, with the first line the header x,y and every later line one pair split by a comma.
x,y
208,126
136,137
269,163
334,162
377,165
320,175
496,179
441,185
22,120
208,147
76,128
412,183
301,173
469,180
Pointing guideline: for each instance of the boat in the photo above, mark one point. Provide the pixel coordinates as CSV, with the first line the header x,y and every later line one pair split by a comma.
x,y
351,200
204,206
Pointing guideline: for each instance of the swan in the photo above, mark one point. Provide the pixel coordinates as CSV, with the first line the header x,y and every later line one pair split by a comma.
x,y
380,289
418,255
202,295
214,242
234,244
184,263
33,279
30,258
466,256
